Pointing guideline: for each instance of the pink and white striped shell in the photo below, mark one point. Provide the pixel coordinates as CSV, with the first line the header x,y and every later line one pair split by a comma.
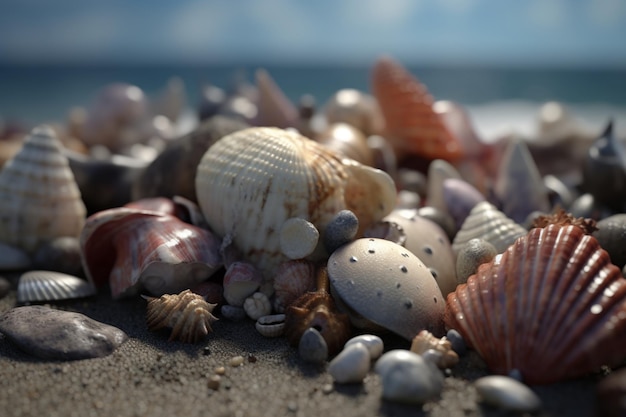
x,y
250,182
133,249
552,307
292,280
39,197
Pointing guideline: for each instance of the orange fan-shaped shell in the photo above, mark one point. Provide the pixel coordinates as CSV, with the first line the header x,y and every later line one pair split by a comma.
x,y
412,125
552,306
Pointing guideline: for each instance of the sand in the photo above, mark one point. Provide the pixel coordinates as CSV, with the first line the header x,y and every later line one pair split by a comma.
x,y
149,376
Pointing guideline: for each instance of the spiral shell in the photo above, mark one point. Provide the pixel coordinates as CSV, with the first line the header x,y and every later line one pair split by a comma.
x,y
39,198
552,307
252,181
411,123
187,314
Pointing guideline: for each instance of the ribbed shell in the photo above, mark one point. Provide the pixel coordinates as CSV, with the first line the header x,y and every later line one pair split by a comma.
x,y
250,182
50,286
552,306
488,223
410,121
39,198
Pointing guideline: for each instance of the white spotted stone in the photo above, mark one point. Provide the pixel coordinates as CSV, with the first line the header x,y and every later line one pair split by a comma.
x,y
351,365
507,393
373,343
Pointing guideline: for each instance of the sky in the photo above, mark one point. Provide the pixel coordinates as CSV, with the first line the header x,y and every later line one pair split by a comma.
x,y
587,33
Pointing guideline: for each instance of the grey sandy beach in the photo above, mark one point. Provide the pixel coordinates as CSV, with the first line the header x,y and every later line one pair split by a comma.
x,y
149,376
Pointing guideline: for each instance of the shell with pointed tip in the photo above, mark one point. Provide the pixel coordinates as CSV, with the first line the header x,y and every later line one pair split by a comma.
x,y
132,249
460,198
51,286
552,307
486,222
39,198
275,109
411,123
252,181
187,314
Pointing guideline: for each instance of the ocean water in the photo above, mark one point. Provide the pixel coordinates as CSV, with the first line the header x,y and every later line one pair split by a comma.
x,y
498,99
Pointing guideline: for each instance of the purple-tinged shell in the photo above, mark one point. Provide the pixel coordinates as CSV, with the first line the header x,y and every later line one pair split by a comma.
x,y
131,249
241,280
551,307
460,198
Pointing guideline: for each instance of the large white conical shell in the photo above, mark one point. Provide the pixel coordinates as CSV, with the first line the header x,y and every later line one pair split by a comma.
x,y
39,198
251,181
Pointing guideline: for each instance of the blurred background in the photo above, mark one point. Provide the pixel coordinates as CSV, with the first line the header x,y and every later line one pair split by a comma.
x,y
57,54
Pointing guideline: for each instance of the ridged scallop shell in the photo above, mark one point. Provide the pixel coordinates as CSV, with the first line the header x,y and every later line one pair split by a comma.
x,y
187,314
293,279
250,182
486,222
131,249
39,198
51,286
411,123
552,307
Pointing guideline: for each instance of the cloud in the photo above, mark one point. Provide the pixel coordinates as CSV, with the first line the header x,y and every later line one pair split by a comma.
x,y
607,13
548,14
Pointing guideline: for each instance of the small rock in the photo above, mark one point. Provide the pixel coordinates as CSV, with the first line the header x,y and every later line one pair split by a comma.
x,y
457,342
236,361
13,258
374,344
340,230
59,335
406,377
214,382
312,347
5,287
233,313
473,254
351,365
507,393
298,238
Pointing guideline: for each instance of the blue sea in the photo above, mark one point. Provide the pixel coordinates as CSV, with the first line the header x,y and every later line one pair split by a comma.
x,y
511,96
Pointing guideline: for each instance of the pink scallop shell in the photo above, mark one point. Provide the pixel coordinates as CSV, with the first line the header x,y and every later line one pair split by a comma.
x,y
552,306
133,248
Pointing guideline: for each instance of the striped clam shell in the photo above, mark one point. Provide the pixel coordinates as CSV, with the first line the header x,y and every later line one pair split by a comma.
x,y
552,307
486,222
411,123
36,286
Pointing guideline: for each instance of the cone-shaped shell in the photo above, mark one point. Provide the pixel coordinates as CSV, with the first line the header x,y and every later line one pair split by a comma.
x,y
552,307
250,182
411,123
39,198
488,223
133,248
275,109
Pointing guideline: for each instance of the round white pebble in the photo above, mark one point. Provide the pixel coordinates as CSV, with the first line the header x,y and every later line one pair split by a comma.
x,y
298,238
373,343
351,365
507,393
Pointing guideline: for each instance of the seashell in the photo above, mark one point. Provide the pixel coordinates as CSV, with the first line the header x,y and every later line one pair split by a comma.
x,y
131,249
158,204
384,156
36,286
490,224
293,279
551,307
39,198
355,108
430,244
173,171
317,309
116,107
241,280
408,200
519,185
348,141
388,285
604,170
425,341
275,109
212,292
271,325
460,198
252,181
172,100
312,347
351,365
298,238
187,314
411,123
412,180
257,305
439,171
13,258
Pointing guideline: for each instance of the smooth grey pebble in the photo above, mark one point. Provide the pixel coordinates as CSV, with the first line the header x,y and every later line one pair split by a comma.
x,y
312,347
60,255
373,343
457,342
340,230
5,287
233,313
507,393
351,365
473,254
59,335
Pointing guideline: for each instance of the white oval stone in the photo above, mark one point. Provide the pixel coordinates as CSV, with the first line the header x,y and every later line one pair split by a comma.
x,y
298,238
373,343
406,377
507,393
351,365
